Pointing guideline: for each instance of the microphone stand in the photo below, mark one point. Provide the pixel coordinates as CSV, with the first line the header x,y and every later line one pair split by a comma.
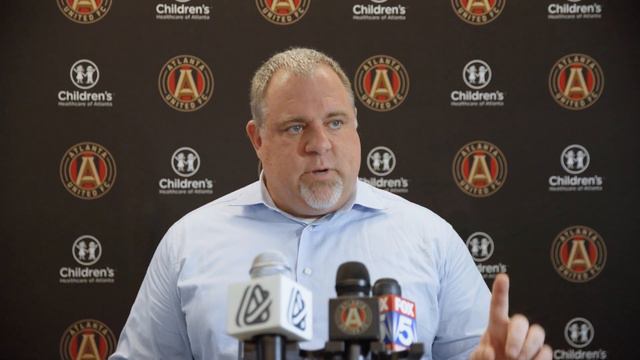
x,y
341,350
269,347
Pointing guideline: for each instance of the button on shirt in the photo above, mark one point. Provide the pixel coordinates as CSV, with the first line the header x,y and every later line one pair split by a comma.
x,y
181,309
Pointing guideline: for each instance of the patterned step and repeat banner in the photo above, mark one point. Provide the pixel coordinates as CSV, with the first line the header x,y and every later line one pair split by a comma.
x,y
514,120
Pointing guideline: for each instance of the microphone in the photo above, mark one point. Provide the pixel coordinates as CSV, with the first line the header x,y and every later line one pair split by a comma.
x,y
397,316
269,310
354,314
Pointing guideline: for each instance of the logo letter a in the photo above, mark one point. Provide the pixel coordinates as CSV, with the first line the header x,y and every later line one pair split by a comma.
x,y
474,4
186,86
480,170
579,256
91,4
382,85
88,173
353,318
576,84
88,348
283,4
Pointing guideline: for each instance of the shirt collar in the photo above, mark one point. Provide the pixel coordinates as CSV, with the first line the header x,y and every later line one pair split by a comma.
x,y
366,197
257,194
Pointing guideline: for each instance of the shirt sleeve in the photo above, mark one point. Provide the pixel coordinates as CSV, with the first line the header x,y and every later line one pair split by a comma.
x,y
156,327
464,300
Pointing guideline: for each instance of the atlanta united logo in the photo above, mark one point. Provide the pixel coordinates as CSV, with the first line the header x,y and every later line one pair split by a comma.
x,y
576,81
185,83
283,12
84,11
478,12
479,169
87,170
87,339
578,253
353,317
381,83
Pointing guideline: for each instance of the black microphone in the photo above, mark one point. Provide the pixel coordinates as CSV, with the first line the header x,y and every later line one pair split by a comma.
x,y
354,315
397,315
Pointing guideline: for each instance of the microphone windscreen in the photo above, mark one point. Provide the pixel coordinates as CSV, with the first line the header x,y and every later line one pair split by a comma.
x,y
352,278
269,263
386,286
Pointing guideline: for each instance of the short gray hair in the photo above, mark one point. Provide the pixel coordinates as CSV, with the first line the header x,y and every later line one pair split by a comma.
x,y
299,61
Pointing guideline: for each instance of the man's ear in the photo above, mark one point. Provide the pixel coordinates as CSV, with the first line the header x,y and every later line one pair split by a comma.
x,y
253,132
355,113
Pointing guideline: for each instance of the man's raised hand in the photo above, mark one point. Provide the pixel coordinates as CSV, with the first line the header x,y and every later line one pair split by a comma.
x,y
509,338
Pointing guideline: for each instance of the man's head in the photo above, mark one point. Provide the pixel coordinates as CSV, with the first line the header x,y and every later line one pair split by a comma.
x,y
299,61
304,131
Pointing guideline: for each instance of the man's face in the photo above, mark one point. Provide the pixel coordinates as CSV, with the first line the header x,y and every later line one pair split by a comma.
x,y
308,144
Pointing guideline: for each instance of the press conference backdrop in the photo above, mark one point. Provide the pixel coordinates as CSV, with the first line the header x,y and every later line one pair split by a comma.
x,y
514,120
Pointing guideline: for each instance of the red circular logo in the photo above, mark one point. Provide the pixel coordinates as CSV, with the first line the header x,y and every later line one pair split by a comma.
x,y
578,253
353,316
479,168
185,83
478,12
87,170
87,339
381,83
84,11
283,12
576,81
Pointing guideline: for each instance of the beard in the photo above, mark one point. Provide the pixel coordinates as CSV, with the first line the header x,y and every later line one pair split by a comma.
x,y
322,195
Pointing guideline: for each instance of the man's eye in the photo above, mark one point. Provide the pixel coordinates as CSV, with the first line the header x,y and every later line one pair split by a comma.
x,y
336,124
295,129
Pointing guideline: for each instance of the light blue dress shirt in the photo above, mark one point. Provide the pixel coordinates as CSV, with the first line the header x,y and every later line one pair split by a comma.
x,y
181,309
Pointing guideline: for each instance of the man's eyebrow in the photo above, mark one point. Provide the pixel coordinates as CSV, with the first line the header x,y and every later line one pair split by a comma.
x,y
293,119
336,113
303,119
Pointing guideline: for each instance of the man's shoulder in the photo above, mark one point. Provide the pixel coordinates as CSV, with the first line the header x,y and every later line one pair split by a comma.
x,y
413,226
397,205
243,196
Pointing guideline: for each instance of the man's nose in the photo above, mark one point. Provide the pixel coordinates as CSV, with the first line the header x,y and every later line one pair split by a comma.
x,y
317,140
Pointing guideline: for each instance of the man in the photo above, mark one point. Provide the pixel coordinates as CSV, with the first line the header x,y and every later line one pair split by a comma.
x,y
310,206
